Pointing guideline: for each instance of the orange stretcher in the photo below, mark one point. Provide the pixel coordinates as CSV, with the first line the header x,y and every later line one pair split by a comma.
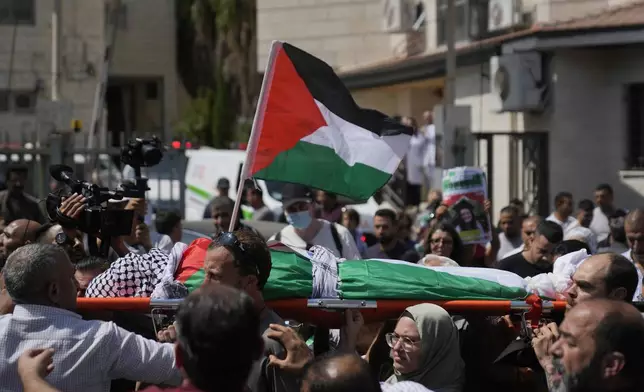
x,y
327,312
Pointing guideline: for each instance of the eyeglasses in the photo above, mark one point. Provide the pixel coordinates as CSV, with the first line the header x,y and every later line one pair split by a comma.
x,y
407,344
230,241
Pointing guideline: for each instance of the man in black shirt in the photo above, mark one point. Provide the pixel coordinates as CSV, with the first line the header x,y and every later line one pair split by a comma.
x,y
385,226
537,257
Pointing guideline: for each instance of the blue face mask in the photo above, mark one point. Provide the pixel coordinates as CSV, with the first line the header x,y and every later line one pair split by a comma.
x,y
299,220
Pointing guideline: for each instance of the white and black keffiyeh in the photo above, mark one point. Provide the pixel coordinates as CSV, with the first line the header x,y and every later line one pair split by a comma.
x,y
130,276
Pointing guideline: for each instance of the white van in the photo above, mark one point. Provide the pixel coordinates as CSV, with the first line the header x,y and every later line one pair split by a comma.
x,y
207,165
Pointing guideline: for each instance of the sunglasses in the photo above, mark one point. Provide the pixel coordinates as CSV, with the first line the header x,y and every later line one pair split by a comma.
x,y
230,241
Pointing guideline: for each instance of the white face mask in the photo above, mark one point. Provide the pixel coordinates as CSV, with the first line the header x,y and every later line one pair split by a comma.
x,y
299,220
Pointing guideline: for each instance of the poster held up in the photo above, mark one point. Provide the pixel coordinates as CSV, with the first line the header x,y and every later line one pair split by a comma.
x,y
465,192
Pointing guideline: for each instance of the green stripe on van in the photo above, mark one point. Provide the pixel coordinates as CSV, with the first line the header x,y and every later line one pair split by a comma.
x,y
199,192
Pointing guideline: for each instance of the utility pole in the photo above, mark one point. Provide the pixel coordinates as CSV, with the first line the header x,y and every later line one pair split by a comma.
x,y
449,96
111,29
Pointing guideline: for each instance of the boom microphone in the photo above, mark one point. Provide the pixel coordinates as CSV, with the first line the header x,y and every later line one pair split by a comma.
x,y
61,173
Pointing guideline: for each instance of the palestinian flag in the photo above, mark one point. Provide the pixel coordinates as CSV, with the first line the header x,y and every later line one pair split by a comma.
x,y
309,130
293,276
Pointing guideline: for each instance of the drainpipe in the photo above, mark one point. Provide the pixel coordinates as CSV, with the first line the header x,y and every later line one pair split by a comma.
x,y
56,26
450,88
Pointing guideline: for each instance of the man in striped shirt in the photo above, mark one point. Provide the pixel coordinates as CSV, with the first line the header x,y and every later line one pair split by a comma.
x,y
39,278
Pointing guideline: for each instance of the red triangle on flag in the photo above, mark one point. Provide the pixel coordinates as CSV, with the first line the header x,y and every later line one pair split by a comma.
x,y
290,113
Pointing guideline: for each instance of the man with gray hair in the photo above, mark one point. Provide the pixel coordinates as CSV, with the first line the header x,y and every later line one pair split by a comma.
x,y
39,279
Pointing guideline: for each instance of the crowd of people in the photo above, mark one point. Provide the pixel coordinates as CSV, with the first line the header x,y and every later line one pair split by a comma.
x,y
225,337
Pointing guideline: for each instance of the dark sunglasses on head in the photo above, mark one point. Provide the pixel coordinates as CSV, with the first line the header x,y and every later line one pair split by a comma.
x,y
230,241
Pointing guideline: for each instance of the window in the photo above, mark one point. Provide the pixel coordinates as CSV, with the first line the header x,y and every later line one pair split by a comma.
x,y
4,101
470,16
151,91
21,12
635,124
24,102
21,101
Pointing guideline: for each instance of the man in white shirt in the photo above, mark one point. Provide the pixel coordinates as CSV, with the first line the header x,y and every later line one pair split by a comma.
x,y
563,212
510,237
634,228
528,228
169,230
304,231
600,224
433,153
88,354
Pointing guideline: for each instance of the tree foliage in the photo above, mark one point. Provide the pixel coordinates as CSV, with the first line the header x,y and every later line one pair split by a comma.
x,y
217,62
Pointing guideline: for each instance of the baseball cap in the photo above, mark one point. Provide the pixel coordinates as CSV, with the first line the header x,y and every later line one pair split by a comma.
x,y
223,183
294,193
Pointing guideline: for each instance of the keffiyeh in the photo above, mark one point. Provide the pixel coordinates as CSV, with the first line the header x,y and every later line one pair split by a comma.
x,y
130,276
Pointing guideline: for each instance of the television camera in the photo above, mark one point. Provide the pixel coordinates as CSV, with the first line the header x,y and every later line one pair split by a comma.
x,y
97,219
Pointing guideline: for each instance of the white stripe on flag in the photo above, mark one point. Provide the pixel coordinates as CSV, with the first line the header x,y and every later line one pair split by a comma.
x,y
354,144
504,278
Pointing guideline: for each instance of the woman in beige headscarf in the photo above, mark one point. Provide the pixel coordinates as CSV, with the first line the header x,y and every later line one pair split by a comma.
x,y
425,349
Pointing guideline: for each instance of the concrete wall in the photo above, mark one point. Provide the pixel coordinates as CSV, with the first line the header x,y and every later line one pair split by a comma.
x,y
551,11
344,33
146,47
588,143
473,90
403,101
82,23
585,121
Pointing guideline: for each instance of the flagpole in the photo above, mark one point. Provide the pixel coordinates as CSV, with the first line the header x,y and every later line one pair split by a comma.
x,y
256,129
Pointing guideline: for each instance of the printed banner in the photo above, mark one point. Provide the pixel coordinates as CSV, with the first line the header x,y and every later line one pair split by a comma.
x,y
465,192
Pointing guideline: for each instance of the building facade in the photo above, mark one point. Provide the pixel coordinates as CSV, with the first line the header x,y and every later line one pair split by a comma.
x,y
39,62
586,130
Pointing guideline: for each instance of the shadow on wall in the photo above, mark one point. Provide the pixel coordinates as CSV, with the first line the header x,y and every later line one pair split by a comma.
x,y
629,190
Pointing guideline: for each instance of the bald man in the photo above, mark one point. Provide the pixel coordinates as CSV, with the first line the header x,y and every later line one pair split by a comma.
x,y
18,233
339,373
603,276
600,348
634,229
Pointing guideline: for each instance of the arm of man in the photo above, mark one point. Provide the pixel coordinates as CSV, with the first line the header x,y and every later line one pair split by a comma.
x,y
138,359
266,378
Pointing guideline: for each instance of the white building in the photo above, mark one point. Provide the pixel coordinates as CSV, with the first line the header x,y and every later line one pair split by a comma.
x,y
589,130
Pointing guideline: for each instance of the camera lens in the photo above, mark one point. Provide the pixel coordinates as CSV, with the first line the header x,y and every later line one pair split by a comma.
x,y
151,155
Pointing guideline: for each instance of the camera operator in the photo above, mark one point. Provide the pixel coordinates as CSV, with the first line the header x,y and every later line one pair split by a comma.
x,y
139,241
133,274
70,239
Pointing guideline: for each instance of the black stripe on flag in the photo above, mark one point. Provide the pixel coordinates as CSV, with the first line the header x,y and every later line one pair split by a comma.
x,y
326,87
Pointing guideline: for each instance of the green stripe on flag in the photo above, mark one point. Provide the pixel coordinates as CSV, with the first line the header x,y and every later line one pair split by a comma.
x,y
195,280
332,174
372,280
291,276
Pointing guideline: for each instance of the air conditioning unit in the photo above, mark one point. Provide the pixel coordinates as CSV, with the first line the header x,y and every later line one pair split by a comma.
x,y
518,80
503,14
399,16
